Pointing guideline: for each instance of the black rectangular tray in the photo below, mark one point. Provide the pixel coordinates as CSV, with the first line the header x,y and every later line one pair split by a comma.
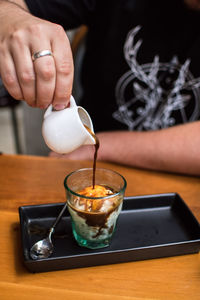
x,y
151,226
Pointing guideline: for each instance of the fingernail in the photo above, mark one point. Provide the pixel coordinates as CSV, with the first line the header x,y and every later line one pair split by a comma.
x,y
43,106
59,106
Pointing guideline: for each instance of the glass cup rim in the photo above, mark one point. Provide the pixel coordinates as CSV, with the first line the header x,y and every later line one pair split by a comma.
x,y
122,190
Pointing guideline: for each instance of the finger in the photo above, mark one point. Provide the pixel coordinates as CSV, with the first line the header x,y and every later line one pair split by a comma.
x,y
45,79
64,70
9,76
54,154
44,68
25,72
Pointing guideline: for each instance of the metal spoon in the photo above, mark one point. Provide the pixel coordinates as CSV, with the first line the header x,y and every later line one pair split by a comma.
x,y
44,248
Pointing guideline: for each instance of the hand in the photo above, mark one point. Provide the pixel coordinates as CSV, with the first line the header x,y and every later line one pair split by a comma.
x,y
82,153
47,80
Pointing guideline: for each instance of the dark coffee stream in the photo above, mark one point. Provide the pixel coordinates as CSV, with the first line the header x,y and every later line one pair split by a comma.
x,y
95,153
97,219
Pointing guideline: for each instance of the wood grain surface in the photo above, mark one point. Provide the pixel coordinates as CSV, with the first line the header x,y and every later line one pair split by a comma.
x,y
28,180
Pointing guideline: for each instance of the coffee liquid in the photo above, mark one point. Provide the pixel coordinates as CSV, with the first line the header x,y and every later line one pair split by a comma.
x,y
95,153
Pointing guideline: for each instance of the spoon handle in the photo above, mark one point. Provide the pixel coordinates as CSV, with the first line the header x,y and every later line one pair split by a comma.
x,y
59,216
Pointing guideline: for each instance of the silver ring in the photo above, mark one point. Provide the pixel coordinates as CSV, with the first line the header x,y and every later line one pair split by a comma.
x,y
41,54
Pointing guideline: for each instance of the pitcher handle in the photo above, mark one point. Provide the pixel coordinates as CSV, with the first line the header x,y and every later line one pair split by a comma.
x,y
50,108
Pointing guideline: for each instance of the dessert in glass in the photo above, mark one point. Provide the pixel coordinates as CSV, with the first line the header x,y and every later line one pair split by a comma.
x,y
94,209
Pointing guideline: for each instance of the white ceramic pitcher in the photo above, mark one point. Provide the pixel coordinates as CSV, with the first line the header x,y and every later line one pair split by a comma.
x,y
64,130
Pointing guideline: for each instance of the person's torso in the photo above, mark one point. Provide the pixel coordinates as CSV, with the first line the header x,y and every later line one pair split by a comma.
x,y
141,70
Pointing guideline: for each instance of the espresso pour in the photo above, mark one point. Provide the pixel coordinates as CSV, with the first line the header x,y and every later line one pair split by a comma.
x,y
97,144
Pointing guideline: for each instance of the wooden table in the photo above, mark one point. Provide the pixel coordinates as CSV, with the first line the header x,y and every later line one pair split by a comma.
x,y
28,180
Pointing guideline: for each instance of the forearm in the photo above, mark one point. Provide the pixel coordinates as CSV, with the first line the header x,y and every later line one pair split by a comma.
x,y
176,149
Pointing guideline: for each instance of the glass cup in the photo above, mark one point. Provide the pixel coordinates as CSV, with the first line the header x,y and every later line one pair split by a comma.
x,y
94,210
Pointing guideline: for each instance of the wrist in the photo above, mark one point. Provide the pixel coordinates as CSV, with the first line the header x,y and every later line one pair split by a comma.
x,y
107,143
18,4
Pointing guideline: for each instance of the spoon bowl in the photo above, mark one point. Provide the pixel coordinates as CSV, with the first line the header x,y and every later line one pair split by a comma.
x,y
44,248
